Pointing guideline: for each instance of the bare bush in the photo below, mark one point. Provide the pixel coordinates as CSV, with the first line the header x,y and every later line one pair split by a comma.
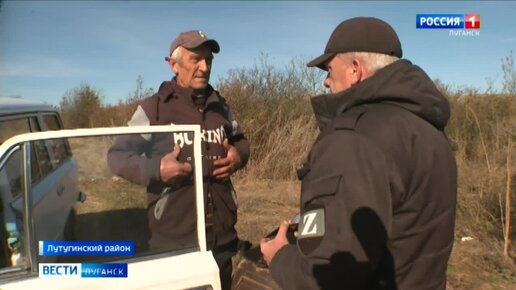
x,y
81,106
509,75
273,107
139,92
481,129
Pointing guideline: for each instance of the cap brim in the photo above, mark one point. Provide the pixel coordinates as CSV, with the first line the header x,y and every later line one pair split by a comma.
x,y
320,61
212,43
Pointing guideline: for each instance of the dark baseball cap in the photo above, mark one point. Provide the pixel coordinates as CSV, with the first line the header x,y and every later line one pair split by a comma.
x,y
360,34
192,39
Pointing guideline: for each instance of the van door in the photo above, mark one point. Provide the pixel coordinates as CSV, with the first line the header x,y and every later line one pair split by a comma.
x,y
114,210
53,175
55,193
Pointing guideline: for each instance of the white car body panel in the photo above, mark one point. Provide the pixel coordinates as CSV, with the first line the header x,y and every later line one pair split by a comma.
x,y
178,272
183,271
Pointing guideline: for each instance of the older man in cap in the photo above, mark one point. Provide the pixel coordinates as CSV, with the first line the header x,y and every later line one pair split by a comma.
x,y
162,162
379,187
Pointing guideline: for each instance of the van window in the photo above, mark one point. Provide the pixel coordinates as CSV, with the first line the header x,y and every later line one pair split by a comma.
x,y
59,147
51,122
13,127
8,129
10,174
11,231
34,126
10,191
40,166
41,160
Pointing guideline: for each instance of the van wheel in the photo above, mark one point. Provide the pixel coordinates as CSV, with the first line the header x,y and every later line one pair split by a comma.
x,y
69,229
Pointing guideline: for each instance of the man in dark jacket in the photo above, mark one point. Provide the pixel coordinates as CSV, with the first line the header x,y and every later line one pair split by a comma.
x,y
162,162
379,187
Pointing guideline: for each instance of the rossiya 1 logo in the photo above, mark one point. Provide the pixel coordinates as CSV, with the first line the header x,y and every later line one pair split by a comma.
x,y
456,24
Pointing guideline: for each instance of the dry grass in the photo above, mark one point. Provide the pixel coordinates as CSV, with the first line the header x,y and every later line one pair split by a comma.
x,y
104,190
114,208
284,150
480,130
474,264
263,205
477,264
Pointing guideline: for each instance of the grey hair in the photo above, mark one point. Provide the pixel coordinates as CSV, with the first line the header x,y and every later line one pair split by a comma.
x,y
177,54
373,61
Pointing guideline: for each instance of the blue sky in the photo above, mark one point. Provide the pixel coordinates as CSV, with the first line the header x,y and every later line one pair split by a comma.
x,y
49,47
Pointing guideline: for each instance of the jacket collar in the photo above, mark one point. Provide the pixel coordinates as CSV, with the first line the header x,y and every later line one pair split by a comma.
x,y
328,106
400,83
172,89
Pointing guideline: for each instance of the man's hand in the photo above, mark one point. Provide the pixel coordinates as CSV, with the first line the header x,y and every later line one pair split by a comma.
x,y
230,164
171,170
269,248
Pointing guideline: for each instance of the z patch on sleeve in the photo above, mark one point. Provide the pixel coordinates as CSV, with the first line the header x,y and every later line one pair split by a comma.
x,y
312,224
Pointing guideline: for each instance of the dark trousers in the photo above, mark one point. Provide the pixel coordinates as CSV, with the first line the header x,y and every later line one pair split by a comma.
x,y
223,255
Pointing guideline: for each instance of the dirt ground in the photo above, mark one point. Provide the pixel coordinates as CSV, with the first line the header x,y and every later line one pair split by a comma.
x,y
476,263
263,205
